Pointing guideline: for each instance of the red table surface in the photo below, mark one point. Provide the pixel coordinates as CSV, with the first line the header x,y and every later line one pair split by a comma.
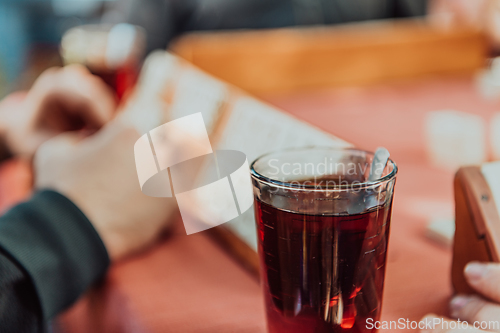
x,y
188,284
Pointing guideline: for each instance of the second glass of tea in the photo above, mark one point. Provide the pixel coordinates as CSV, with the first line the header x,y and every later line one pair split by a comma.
x,y
112,52
323,230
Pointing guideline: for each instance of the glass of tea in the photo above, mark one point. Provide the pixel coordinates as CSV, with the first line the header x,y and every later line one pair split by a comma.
x,y
323,229
112,52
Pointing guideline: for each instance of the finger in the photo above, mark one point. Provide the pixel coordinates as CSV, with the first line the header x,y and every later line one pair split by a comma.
x,y
13,99
74,92
10,106
492,22
433,324
80,96
484,278
441,14
113,138
102,101
450,13
78,68
474,309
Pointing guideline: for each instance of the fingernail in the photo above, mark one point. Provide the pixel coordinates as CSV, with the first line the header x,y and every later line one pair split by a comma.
x,y
457,303
474,271
428,319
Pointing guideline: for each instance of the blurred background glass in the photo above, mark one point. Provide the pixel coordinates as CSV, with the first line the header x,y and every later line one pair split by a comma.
x,y
112,52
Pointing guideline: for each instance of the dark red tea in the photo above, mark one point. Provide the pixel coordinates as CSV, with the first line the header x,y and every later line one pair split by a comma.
x,y
120,80
322,273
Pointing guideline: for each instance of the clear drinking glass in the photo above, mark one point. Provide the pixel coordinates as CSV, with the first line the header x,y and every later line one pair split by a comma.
x,y
323,230
112,52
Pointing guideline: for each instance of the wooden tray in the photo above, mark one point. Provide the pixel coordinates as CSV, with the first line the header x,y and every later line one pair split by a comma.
x,y
293,59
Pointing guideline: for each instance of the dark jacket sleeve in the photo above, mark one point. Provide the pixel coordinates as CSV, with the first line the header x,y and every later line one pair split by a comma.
x,y
50,254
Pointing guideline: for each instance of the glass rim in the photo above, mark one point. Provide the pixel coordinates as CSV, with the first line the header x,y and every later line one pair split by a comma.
x,y
359,185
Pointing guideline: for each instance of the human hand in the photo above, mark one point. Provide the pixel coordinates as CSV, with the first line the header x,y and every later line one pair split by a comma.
x,y
481,312
61,99
98,174
481,15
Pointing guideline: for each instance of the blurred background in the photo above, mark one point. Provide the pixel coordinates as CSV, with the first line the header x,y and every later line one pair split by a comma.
x,y
31,30
30,33
420,78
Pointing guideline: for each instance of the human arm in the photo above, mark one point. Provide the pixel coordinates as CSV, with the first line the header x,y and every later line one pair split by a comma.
x,y
49,255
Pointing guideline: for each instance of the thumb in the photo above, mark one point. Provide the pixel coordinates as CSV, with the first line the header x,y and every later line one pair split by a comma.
x,y
484,277
59,144
49,156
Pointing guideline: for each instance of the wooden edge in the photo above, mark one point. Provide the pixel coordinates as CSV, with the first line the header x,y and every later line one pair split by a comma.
x,y
483,205
237,248
231,243
295,59
477,225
